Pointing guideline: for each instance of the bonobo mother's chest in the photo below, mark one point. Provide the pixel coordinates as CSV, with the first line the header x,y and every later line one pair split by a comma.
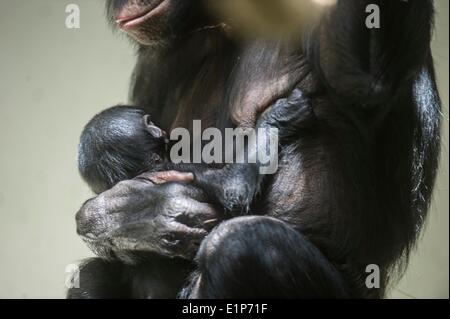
x,y
218,80
201,101
228,100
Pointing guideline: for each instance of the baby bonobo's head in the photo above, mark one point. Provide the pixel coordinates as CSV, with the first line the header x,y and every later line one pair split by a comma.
x,y
119,144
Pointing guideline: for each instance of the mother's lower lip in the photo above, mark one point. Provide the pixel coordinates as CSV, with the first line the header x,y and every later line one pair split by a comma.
x,y
129,24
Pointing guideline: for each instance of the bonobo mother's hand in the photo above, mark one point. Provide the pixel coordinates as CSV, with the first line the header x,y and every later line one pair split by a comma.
x,y
170,219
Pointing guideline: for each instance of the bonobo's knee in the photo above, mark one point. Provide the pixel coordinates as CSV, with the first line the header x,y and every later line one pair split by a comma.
x,y
236,238
255,256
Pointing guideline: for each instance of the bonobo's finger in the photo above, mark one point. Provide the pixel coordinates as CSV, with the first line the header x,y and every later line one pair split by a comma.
x,y
199,215
182,232
186,241
172,176
170,239
167,176
189,191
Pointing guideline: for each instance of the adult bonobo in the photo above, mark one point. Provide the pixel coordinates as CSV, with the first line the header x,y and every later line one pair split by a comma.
x,y
358,182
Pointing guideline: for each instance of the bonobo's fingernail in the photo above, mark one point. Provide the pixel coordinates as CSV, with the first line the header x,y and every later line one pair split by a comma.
x,y
189,176
175,176
183,177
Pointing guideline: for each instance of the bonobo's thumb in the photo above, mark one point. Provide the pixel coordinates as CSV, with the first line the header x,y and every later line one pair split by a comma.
x,y
167,176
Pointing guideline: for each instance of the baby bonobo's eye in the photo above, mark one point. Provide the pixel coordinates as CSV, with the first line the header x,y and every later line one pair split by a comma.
x,y
152,128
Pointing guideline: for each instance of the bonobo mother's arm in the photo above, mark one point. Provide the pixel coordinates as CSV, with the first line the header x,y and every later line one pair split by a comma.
x,y
170,219
367,63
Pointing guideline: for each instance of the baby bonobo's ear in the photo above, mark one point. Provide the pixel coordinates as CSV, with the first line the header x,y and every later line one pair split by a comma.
x,y
154,130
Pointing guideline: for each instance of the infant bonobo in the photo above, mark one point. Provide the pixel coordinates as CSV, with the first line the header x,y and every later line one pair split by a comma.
x,y
122,142
118,144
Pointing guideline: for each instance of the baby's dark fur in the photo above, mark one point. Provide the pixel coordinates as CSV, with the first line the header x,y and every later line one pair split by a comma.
x,y
118,144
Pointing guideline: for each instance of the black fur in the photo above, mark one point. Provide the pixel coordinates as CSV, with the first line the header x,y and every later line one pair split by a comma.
x,y
356,185
116,146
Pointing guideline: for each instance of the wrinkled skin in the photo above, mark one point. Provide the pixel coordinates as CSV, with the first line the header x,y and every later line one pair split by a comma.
x,y
137,215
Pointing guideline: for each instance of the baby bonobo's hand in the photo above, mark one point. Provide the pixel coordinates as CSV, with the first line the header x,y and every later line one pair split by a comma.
x,y
236,185
233,186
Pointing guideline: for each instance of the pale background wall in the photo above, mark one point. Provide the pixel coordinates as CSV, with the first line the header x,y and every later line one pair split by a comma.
x,y
52,80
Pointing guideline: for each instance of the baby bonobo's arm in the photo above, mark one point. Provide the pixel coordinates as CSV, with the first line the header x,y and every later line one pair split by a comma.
x,y
235,185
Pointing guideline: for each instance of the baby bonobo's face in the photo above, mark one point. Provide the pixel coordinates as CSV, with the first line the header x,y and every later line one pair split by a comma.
x,y
119,144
